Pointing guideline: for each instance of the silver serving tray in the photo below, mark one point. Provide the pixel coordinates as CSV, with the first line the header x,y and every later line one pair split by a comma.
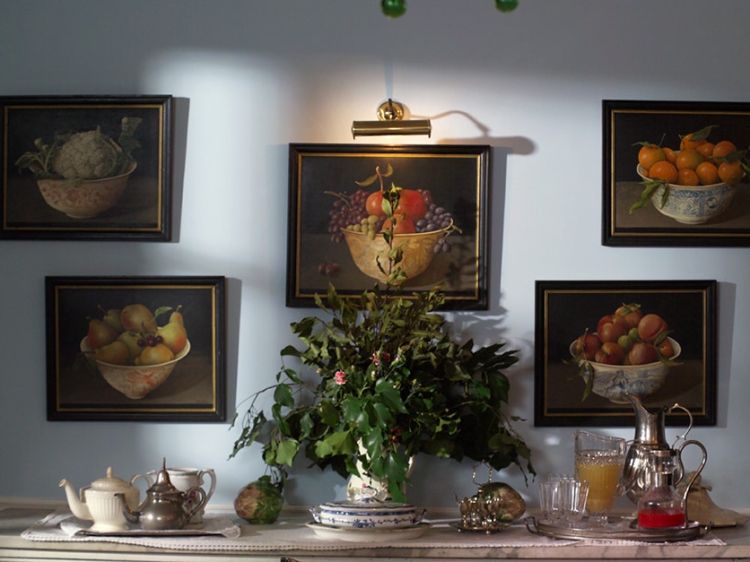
x,y
619,528
210,526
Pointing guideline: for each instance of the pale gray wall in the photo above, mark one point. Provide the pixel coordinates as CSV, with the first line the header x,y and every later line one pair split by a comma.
x,y
250,77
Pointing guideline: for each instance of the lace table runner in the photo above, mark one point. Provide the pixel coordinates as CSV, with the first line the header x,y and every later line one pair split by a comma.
x,y
292,535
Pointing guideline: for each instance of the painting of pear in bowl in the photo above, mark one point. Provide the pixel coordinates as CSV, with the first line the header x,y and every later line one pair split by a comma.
x,y
86,168
337,220
135,348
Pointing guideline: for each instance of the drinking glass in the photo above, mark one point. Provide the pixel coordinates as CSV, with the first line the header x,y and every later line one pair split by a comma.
x,y
549,499
573,496
599,460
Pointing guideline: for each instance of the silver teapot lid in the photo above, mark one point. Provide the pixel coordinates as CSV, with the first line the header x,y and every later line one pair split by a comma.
x,y
163,485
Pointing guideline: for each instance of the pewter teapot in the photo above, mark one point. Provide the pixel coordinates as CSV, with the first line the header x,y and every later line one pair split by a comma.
x,y
166,507
649,437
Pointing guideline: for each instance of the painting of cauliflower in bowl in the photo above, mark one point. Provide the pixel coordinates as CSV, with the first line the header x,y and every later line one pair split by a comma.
x,y
85,173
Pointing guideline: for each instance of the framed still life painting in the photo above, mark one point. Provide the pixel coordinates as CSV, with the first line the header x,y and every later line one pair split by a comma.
x,y
333,193
86,168
676,173
136,348
597,341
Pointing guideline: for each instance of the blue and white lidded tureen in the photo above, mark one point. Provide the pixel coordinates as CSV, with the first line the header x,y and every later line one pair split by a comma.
x,y
367,513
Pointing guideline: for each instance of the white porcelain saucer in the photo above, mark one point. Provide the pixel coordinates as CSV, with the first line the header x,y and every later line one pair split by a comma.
x,y
367,535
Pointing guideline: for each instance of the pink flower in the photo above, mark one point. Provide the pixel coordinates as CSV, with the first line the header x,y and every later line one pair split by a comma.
x,y
340,377
380,355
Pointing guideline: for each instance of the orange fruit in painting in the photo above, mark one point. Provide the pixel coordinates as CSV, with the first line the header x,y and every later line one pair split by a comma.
x,y
708,173
730,172
688,177
722,149
664,171
706,149
688,158
688,142
671,155
650,155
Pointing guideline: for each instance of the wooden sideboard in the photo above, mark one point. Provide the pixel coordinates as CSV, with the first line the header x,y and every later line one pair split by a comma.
x,y
14,519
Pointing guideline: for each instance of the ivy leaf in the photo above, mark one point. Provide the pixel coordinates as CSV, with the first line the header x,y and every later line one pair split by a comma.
x,y
306,425
286,451
329,415
283,395
339,443
249,433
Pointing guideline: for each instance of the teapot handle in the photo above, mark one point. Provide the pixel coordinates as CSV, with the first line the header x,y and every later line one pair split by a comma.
x,y
203,499
149,483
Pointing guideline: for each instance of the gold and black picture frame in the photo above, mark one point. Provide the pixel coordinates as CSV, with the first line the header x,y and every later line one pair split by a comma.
x,y
329,189
675,173
136,348
681,325
86,168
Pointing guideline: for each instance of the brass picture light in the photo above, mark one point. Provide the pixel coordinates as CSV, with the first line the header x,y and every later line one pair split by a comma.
x,y
391,122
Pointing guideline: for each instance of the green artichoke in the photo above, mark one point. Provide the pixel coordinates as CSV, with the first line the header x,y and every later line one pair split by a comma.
x,y
259,503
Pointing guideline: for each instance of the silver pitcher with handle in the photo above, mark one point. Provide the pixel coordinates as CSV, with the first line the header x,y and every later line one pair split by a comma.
x,y
649,437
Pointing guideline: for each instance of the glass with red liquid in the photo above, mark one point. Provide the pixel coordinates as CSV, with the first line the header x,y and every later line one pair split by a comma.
x,y
659,518
661,507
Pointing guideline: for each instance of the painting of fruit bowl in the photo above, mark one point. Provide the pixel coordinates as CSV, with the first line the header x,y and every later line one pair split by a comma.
x,y
614,381
691,204
134,381
87,198
351,206
418,250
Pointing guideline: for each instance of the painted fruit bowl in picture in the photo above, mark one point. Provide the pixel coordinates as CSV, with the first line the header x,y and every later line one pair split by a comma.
x,y
418,251
135,381
367,513
691,204
614,381
84,199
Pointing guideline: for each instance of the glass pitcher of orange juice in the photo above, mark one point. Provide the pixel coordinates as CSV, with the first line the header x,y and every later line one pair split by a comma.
x,y
599,460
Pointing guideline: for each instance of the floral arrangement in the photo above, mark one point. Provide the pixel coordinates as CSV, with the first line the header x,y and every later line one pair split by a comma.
x,y
387,382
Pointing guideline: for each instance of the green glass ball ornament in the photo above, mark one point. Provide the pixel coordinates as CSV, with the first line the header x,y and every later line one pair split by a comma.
x,y
506,5
393,8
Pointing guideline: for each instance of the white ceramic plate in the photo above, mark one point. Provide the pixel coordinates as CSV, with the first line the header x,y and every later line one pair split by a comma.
x,y
367,535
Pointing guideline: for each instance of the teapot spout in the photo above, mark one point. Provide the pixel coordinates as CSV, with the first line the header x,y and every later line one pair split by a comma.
x,y
131,516
77,507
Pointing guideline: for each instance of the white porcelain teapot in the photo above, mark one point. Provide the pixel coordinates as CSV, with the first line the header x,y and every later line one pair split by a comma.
x,y
99,501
